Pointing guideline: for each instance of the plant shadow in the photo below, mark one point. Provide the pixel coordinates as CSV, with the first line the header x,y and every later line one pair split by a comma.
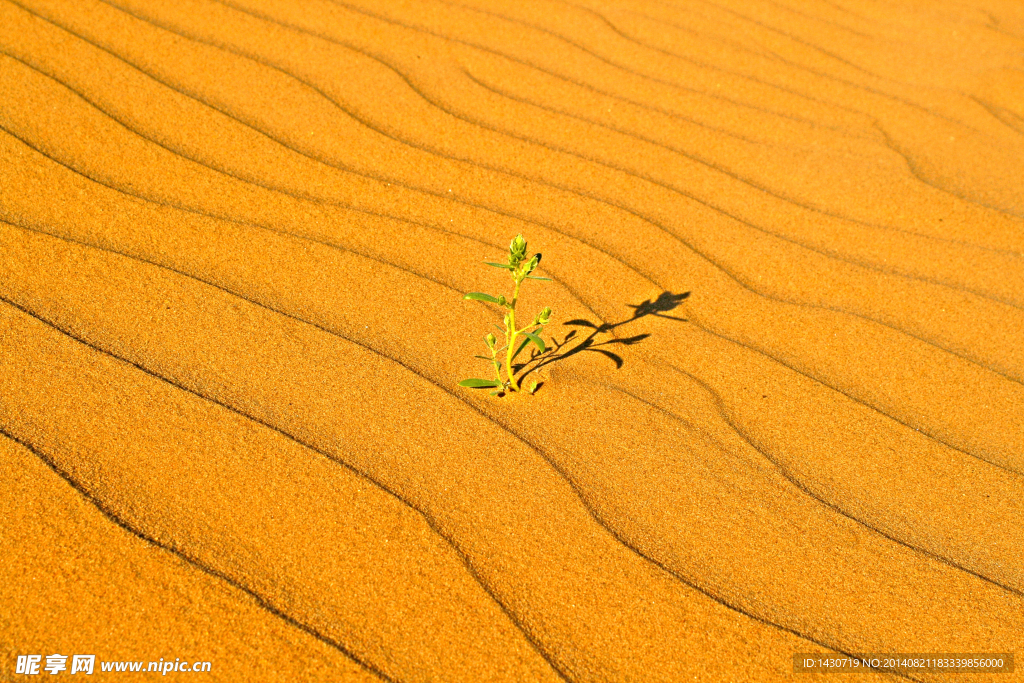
x,y
575,341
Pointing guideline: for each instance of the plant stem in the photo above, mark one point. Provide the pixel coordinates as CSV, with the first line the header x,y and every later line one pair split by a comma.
x,y
497,365
513,385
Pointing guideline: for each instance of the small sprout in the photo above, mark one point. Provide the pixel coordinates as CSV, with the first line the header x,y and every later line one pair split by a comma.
x,y
520,268
533,387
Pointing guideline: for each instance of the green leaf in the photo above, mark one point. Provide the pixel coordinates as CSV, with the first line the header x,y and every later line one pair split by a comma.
x,y
479,383
522,345
530,336
538,342
503,266
477,296
534,277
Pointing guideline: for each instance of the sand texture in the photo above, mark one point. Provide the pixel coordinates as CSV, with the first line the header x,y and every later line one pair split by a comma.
x,y
784,409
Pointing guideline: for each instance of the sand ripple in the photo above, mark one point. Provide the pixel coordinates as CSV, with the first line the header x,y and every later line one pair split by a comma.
x,y
787,414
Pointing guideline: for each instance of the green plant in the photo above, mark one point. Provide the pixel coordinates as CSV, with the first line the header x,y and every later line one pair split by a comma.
x,y
520,268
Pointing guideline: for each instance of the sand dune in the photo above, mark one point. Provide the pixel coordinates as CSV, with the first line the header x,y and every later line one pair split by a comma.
x,y
786,409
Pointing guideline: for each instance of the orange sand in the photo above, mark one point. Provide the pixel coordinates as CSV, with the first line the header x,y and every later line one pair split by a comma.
x,y
787,410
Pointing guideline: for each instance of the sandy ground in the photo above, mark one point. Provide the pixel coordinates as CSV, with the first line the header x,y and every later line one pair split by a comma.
x,y
784,409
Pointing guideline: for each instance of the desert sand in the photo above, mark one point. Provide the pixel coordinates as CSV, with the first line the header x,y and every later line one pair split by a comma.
x,y
783,407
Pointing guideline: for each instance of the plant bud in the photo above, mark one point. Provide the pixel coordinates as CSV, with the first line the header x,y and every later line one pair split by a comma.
x,y
516,251
544,316
502,300
490,339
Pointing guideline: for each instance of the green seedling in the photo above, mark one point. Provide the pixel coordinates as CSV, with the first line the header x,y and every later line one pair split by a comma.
x,y
520,268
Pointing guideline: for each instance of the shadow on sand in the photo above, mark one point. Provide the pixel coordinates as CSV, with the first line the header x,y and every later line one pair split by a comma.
x,y
599,339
